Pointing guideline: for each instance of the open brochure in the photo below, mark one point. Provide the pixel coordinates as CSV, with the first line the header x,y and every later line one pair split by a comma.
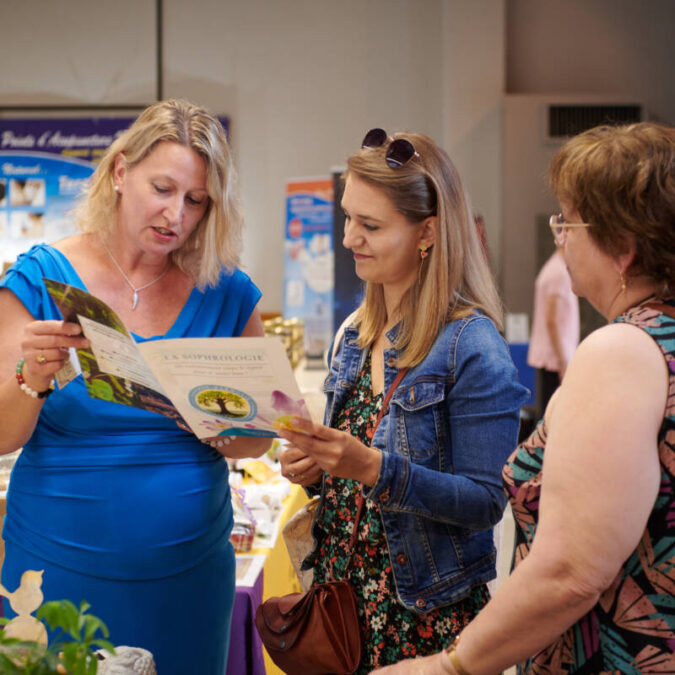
x,y
213,386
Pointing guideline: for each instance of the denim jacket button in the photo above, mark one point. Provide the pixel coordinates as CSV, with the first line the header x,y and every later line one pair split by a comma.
x,y
391,362
384,497
401,559
421,603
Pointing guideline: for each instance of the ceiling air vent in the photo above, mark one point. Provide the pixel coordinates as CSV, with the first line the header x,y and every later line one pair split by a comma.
x,y
569,120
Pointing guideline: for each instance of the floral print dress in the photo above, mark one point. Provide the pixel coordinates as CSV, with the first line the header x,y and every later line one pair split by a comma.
x,y
632,627
390,632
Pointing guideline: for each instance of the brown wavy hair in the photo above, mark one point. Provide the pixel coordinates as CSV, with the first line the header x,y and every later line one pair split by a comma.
x,y
621,179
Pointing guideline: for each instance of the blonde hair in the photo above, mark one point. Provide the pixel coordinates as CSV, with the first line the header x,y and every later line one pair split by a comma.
x,y
217,240
455,278
621,179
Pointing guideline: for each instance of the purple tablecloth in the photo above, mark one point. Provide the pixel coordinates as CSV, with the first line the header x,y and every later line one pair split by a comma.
x,y
246,654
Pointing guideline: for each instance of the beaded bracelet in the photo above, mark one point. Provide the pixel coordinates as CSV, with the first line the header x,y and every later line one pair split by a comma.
x,y
226,440
29,391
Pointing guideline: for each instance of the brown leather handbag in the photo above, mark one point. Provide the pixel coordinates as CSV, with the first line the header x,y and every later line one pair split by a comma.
x,y
313,633
318,632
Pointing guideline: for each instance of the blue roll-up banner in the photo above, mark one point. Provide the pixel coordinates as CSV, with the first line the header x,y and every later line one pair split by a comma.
x,y
308,261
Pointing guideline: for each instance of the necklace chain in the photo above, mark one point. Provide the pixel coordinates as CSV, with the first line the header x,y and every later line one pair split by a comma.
x,y
135,289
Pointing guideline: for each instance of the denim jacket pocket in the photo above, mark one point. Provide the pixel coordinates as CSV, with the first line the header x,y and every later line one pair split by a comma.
x,y
418,408
419,395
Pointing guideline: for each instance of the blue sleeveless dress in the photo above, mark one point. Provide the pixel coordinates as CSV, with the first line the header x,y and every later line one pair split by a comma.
x,y
122,508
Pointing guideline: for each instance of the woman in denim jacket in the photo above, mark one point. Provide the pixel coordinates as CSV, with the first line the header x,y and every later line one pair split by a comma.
x,y
430,474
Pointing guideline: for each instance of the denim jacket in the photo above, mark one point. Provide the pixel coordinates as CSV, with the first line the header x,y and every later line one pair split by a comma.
x,y
452,423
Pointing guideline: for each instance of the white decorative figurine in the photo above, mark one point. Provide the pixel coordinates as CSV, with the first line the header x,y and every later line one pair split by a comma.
x,y
28,597
25,600
127,661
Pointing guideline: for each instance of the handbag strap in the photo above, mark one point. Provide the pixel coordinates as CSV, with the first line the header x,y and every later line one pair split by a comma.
x,y
385,404
384,409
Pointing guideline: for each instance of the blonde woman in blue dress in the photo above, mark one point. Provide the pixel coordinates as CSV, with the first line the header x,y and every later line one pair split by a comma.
x,y
118,505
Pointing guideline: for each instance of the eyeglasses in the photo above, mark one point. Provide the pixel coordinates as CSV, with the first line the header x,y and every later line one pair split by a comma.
x,y
399,152
559,227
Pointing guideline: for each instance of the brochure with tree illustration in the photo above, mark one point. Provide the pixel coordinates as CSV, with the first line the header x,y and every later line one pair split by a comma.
x,y
213,386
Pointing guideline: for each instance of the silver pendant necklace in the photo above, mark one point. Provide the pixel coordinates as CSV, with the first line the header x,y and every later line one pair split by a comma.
x,y
126,278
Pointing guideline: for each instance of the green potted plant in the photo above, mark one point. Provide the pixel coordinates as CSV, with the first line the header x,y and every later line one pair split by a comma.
x,y
71,652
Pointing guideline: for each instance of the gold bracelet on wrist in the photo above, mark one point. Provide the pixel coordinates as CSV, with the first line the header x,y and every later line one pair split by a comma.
x,y
451,651
444,663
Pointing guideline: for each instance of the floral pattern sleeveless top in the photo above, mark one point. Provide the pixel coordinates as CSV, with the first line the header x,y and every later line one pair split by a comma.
x,y
389,631
632,627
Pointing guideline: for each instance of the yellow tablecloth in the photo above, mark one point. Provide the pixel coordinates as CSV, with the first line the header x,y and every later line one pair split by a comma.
x,y
278,574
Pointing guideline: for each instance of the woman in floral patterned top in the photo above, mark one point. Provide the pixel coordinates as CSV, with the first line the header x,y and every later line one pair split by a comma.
x,y
593,488
429,475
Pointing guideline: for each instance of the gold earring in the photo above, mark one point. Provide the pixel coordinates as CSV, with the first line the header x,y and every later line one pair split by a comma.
x,y
423,252
623,282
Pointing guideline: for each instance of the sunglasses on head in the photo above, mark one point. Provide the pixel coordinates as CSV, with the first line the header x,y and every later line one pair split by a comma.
x,y
399,151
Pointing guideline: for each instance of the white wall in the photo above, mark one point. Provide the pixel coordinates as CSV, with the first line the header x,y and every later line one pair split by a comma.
x,y
302,80
473,89
576,51
527,152
77,52
594,47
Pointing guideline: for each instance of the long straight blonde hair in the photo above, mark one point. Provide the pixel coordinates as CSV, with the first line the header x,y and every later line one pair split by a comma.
x,y
455,278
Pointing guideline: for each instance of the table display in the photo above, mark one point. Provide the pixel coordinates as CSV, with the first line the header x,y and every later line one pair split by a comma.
x,y
246,650
277,577
263,571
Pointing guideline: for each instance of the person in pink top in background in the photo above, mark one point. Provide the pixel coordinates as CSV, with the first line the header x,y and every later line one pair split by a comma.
x,y
555,327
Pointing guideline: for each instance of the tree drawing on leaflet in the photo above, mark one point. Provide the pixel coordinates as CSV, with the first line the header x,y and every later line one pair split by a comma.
x,y
225,403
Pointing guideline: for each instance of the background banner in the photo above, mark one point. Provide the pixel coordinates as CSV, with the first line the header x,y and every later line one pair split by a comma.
x,y
308,260
44,165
